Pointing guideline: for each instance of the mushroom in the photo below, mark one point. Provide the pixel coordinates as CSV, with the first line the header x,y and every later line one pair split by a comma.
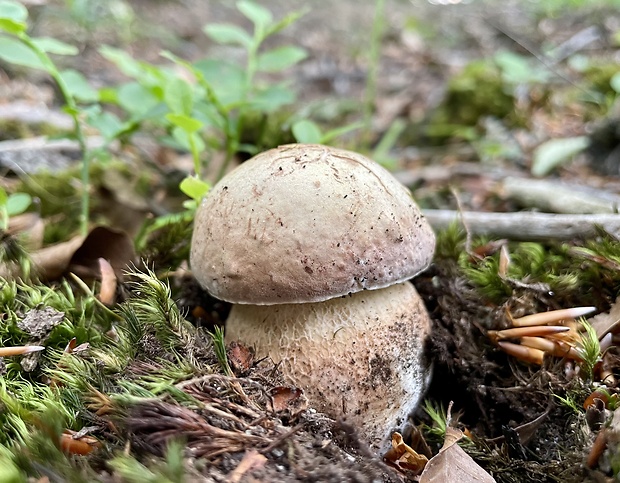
x,y
314,246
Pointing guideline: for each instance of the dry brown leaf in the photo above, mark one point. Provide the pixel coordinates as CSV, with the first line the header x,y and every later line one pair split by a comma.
x,y
403,457
29,227
608,322
251,460
80,255
452,463
115,246
241,357
49,262
290,399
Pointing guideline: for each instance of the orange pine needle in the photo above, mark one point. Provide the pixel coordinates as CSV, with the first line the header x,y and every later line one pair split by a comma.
x,y
524,353
519,332
20,350
543,318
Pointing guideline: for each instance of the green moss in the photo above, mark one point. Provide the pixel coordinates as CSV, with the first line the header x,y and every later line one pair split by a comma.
x,y
585,273
478,91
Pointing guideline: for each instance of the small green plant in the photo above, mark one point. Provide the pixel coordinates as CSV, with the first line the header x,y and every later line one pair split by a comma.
x,y
439,417
219,345
570,402
590,349
204,109
19,48
12,205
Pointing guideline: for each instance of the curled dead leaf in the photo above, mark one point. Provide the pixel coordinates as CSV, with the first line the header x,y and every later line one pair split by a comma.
x,y
402,457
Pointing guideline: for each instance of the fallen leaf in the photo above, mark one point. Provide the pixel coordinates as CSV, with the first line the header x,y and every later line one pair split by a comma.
x,y
29,227
102,242
290,399
240,357
605,323
403,457
251,460
452,463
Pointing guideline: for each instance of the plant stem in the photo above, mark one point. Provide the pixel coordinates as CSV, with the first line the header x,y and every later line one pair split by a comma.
x,y
71,108
373,69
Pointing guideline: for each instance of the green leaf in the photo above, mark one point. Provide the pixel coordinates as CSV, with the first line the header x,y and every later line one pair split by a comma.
x,y
614,82
285,22
136,99
306,132
15,52
260,16
12,27
53,46
182,137
228,34
14,11
123,61
280,58
195,188
516,69
3,197
17,203
556,151
79,86
178,96
340,131
226,80
109,125
272,98
187,123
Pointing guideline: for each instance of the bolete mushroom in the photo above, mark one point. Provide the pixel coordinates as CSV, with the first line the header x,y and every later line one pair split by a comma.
x,y
315,245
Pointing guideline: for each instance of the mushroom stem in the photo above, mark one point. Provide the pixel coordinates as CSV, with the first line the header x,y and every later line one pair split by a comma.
x,y
360,356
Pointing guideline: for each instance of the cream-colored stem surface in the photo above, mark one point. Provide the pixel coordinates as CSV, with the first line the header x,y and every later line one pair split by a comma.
x,y
360,355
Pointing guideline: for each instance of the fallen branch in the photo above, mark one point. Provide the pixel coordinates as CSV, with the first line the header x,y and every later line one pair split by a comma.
x,y
527,225
556,197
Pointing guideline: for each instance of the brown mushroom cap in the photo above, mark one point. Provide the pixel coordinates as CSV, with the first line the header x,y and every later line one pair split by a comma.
x,y
360,356
306,223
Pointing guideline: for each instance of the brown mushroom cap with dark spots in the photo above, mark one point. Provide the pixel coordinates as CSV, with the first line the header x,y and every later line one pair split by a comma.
x,y
315,244
306,223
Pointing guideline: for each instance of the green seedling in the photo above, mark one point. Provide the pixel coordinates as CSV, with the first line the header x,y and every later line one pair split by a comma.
x,y
306,131
570,402
439,417
590,349
19,48
203,110
219,345
12,205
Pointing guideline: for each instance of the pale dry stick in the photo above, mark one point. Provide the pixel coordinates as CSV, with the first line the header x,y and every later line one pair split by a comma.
x,y
468,234
527,225
557,197
544,318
